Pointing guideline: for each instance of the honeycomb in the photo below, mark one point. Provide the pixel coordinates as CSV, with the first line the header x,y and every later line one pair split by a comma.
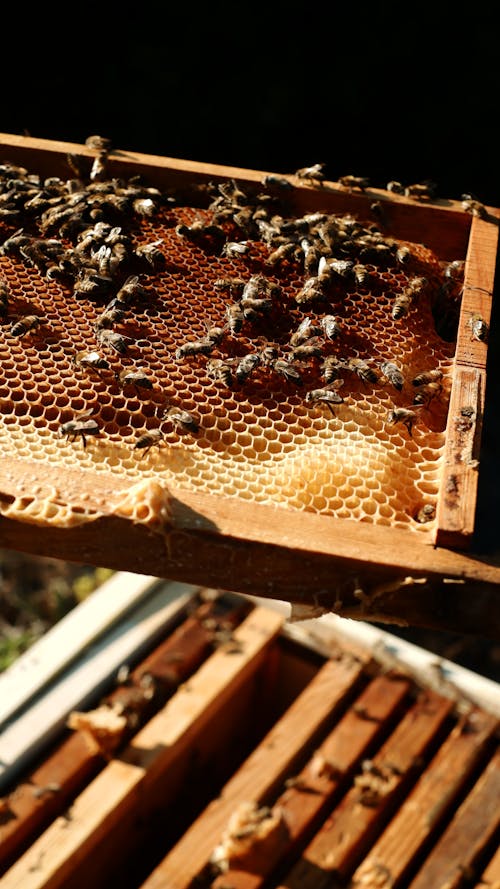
x,y
121,273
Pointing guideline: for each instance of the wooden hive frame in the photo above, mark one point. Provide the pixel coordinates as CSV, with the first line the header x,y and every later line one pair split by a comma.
x,y
314,561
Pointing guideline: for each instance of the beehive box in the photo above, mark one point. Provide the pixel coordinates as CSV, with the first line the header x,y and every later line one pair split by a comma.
x,y
222,304
243,751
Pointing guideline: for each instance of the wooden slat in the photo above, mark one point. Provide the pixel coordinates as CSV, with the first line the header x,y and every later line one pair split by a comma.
x,y
263,771
456,506
490,877
460,477
479,282
476,824
389,861
42,795
123,791
306,559
339,845
312,791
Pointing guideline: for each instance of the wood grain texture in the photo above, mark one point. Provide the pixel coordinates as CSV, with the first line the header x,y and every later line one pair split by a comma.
x,y
112,802
261,773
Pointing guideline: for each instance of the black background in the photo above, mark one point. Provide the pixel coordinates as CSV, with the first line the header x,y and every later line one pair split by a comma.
x,y
382,90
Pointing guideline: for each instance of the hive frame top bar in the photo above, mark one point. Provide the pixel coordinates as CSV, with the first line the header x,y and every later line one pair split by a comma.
x,y
322,563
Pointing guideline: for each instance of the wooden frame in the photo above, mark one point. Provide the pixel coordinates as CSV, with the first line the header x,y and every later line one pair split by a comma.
x,y
358,570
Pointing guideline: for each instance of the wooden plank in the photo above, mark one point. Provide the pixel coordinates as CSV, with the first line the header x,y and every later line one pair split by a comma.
x,y
45,793
456,505
263,771
479,281
421,815
123,791
490,877
342,841
453,859
310,559
313,789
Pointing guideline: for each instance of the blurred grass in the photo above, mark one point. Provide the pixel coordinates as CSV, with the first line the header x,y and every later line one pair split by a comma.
x,y
35,593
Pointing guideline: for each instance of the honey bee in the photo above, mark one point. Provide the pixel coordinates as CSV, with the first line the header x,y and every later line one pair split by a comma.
x,y
426,513
247,365
287,370
314,174
312,255
112,314
401,304
427,392
41,253
152,255
235,249
148,439
200,232
473,206
234,286
272,181
13,244
402,415
392,373
131,290
306,350
312,291
305,331
203,346
420,190
361,274
136,377
91,361
253,307
99,143
351,182
182,420
479,328
235,318
280,253
331,326
363,370
111,339
268,355
90,283
221,371
24,325
417,286
403,254
324,396
395,186
332,368
332,269
454,270
427,376
4,298
81,425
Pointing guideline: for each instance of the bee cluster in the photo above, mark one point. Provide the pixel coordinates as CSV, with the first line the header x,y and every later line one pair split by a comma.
x,y
290,357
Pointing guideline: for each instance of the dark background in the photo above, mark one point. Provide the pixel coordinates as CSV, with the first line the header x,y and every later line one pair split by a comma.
x,y
382,90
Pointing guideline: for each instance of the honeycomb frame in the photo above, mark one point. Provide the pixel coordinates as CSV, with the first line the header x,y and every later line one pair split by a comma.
x,y
268,489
